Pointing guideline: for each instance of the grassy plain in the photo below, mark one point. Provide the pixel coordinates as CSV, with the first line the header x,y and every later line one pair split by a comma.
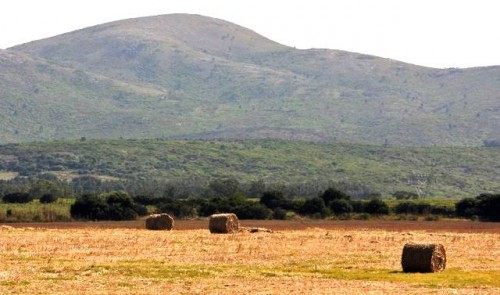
x,y
35,211
91,260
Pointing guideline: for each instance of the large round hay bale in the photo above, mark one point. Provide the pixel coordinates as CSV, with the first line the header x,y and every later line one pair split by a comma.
x,y
224,223
423,258
161,221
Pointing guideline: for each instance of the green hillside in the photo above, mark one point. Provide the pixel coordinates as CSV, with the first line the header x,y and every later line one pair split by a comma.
x,y
361,169
189,76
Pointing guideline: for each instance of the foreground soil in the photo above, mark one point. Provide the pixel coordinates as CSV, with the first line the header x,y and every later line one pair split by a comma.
x,y
277,225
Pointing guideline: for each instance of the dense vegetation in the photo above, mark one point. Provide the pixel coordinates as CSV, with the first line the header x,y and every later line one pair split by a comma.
x,y
203,168
199,178
332,203
484,206
207,78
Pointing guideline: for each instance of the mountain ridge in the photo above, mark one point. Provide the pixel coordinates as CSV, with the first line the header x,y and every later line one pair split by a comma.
x,y
208,78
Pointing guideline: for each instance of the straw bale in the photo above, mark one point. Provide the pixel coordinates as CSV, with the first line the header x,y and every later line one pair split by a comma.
x,y
223,223
423,258
161,221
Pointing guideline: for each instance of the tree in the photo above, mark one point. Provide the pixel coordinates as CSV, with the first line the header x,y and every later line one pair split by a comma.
x,y
252,210
120,206
110,206
18,198
334,194
466,207
177,208
340,206
488,206
273,199
314,207
377,207
85,184
89,206
48,198
42,187
224,187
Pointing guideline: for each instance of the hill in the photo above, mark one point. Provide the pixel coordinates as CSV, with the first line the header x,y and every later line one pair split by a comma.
x,y
305,168
189,76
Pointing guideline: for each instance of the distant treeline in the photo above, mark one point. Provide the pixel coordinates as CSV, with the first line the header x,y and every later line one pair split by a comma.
x,y
48,183
110,200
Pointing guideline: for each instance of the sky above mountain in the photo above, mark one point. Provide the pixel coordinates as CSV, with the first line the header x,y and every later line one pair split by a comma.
x,y
430,33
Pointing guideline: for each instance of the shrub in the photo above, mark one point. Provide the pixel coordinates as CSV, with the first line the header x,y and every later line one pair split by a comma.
x,y
334,194
120,206
273,199
413,208
488,207
89,206
377,207
443,211
406,208
110,206
340,206
466,207
18,198
358,206
252,210
48,198
148,200
280,214
314,207
424,208
177,208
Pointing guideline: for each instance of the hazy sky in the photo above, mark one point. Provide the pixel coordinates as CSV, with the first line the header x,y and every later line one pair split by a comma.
x,y
436,33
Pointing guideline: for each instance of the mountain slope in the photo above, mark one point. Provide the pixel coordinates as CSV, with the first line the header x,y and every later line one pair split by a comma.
x,y
430,171
207,78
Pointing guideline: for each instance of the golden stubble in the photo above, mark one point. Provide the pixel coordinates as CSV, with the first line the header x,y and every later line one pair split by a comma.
x,y
136,261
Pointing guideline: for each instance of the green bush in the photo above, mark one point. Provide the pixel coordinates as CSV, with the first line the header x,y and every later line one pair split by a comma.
x,y
376,207
314,207
252,210
358,206
48,198
273,199
110,206
488,207
334,194
279,214
340,206
466,207
18,197
177,208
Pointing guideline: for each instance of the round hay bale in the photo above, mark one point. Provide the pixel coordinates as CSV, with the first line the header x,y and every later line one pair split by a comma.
x,y
161,221
224,223
423,258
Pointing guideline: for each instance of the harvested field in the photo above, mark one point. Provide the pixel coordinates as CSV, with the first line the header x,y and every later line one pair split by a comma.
x,y
444,225
334,260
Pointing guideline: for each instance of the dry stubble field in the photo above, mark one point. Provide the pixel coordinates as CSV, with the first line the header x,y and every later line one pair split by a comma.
x,y
329,258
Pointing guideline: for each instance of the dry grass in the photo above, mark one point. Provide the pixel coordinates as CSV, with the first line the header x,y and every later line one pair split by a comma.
x,y
8,175
313,261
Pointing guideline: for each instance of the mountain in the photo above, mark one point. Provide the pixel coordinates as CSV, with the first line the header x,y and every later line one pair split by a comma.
x,y
190,76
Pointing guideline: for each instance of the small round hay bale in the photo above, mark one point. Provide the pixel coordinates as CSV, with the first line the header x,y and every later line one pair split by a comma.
x,y
161,221
423,258
224,223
